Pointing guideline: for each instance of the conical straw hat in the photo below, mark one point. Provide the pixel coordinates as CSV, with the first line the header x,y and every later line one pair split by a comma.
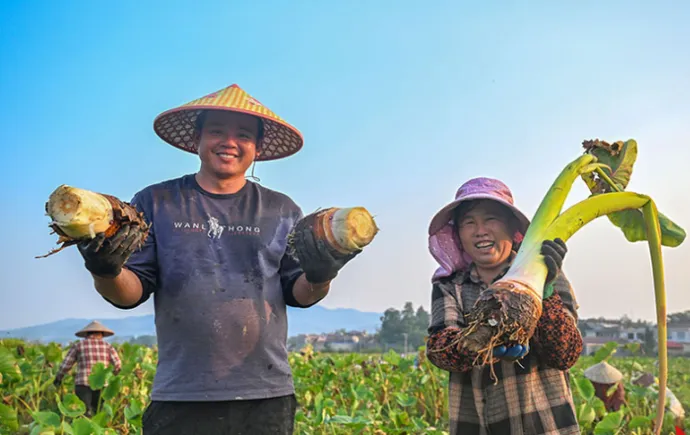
x,y
94,326
603,373
178,126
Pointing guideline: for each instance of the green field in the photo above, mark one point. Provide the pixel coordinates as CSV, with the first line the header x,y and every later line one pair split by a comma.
x,y
338,394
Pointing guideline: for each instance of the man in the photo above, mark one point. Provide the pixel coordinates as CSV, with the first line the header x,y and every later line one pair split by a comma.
x,y
87,353
215,260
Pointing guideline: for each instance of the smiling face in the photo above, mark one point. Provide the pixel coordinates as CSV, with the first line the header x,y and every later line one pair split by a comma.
x,y
486,231
228,144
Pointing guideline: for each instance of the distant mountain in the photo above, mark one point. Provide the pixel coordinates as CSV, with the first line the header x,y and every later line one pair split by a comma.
x,y
314,320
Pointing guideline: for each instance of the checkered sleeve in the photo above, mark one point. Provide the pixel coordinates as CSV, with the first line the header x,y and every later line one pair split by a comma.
x,y
115,360
447,321
67,363
446,307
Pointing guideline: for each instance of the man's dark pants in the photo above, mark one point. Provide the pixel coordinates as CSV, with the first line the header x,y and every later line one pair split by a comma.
x,y
273,416
89,397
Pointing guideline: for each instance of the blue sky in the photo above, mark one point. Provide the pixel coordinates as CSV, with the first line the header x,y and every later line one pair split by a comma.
x,y
399,104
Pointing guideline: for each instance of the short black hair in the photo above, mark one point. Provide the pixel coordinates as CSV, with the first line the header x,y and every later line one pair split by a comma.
x,y
201,119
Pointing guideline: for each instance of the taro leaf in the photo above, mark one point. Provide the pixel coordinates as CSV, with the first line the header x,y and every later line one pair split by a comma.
x,y
66,428
340,419
610,423
585,388
605,352
82,426
70,406
612,389
631,222
640,421
99,376
620,161
404,400
7,362
8,417
53,353
599,407
101,419
586,414
633,347
47,419
113,388
133,412
392,357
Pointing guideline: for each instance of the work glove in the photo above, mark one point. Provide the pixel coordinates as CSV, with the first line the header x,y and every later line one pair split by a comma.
x,y
319,263
511,353
553,251
104,257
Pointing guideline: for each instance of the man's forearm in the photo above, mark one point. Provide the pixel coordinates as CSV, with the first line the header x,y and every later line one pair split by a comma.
x,y
307,293
125,289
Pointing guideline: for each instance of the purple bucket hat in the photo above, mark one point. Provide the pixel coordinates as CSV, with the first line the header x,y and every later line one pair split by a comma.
x,y
444,243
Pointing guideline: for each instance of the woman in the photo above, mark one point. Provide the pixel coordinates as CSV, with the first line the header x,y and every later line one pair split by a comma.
x,y
474,239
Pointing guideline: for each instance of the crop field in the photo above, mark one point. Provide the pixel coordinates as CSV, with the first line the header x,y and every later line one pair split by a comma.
x,y
338,393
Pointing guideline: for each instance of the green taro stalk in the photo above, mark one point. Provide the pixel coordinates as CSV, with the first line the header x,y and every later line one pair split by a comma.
x,y
507,312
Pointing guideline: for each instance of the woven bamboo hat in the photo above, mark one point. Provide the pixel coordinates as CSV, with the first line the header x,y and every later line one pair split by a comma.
x,y
178,126
603,373
94,326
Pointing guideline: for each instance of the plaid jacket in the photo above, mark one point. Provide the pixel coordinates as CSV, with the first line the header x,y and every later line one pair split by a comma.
x,y
531,397
86,353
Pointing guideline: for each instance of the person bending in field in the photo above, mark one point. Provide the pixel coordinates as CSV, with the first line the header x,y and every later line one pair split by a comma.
x,y
85,354
474,239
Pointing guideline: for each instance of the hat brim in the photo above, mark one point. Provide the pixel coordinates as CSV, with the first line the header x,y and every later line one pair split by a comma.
x,y
84,334
444,216
603,374
177,127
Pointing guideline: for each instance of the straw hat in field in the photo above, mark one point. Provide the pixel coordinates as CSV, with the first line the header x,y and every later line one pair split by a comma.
x,y
603,373
94,326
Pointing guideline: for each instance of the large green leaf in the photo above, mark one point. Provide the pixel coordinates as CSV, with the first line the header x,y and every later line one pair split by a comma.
x,y
70,405
585,414
102,419
133,411
585,388
631,222
82,426
620,158
8,417
66,428
47,419
605,352
7,363
610,423
99,376
113,388
640,421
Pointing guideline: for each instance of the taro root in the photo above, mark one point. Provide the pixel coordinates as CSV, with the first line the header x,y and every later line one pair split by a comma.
x,y
78,214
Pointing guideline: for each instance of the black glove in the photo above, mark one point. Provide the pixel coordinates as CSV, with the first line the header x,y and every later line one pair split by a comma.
x,y
553,251
318,262
105,257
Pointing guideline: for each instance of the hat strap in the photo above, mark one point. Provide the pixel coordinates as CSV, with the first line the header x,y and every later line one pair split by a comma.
x,y
257,179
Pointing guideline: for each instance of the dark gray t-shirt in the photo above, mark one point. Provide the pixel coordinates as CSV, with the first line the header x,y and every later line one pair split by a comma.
x,y
221,280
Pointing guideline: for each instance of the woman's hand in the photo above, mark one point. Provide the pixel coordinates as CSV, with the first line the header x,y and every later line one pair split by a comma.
x,y
511,353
